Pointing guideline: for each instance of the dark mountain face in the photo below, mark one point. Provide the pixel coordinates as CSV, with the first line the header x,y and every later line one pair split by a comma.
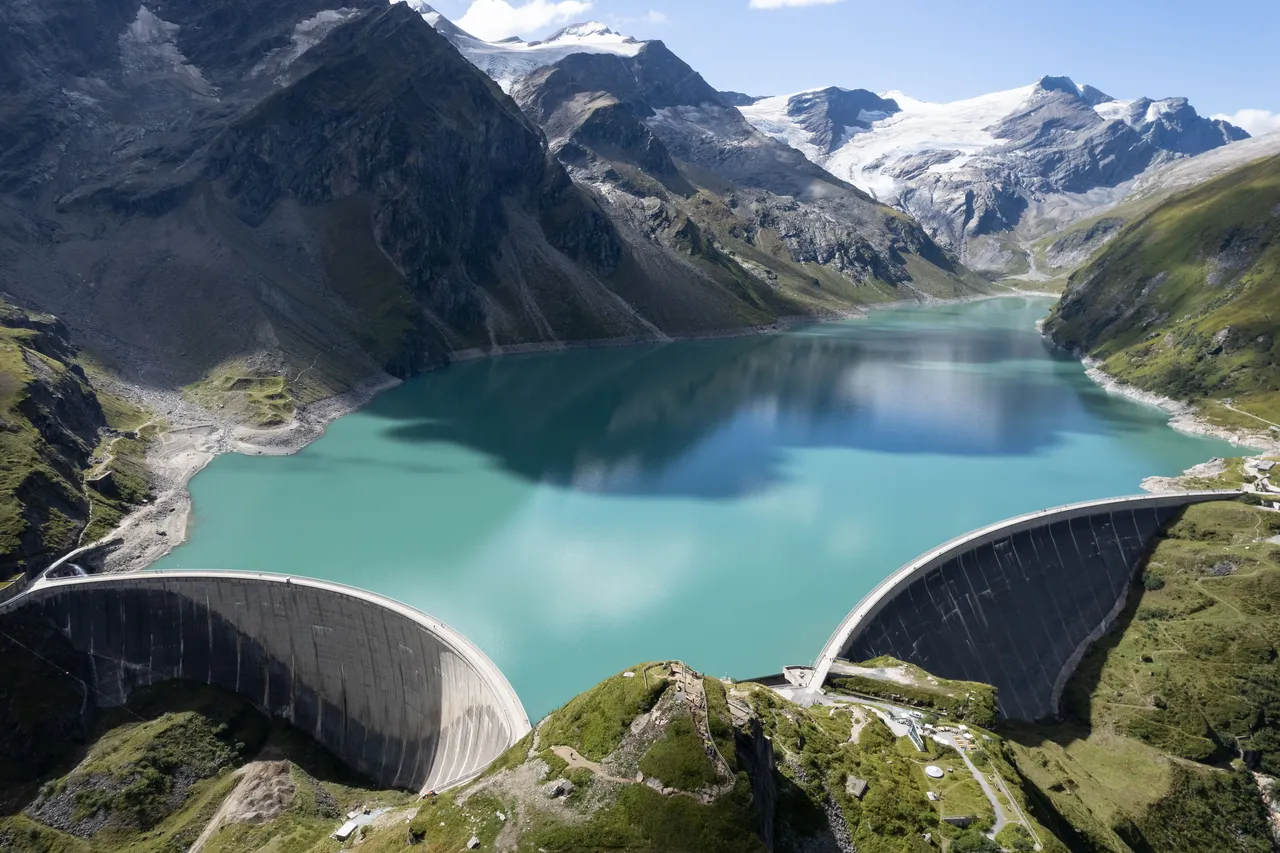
x,y
654,79
829,114
379,108
193,184
739,99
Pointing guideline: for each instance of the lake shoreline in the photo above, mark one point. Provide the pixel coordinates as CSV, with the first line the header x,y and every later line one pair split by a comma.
x,y
195,435
1183,417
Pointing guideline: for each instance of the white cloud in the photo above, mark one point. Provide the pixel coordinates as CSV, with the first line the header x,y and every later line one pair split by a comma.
x,y
1257,122
779,4
498,19
653,16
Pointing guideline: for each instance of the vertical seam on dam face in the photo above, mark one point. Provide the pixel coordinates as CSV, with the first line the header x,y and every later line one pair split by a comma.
x,y
387,689
1016,604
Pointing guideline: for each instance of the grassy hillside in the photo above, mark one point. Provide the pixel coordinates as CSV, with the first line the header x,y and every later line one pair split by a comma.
x,y
682,764
1185,300
906,684
1195,671
767,768
187,765
70,457
1161,712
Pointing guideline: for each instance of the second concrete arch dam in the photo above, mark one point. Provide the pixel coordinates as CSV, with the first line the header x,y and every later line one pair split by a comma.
x,y
1016,604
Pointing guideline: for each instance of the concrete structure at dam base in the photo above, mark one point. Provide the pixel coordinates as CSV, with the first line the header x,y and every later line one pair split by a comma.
x,y
1016,604
398,696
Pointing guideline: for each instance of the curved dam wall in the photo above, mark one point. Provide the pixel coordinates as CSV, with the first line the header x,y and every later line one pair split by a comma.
x,y
397,695
1016,604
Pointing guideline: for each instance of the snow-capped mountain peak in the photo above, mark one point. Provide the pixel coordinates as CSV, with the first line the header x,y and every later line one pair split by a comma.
x,y
508,60
590,32
969,170
425,10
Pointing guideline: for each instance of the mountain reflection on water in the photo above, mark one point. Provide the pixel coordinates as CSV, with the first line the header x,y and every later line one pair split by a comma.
x,y
714,418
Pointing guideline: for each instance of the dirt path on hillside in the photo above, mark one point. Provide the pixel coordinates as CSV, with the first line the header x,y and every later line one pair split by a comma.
x,y
576,761
101,467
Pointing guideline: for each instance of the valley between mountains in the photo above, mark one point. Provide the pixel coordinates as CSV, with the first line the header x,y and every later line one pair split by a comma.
x,y
226,223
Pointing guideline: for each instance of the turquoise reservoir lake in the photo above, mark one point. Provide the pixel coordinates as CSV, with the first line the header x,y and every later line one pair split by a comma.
x,y
725,502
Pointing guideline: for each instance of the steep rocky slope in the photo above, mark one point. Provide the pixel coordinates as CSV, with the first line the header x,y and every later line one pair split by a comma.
x,y
677,162
49,426
294,197
988,174
1183,301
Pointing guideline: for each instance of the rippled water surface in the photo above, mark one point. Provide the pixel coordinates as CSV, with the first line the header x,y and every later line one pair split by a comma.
x,y
724,502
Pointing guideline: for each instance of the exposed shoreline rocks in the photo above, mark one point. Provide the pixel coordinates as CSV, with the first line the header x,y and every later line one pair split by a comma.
x,y
1183,416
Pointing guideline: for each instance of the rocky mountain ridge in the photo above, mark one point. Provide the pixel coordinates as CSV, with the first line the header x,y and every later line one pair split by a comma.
x,y
979,173
50,419
202,199
673,158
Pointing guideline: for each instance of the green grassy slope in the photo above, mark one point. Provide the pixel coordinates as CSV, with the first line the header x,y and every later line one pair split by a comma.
x,y
72,459
151,778
1186,300
966,700
804,800
1160,711
1195,671
52,426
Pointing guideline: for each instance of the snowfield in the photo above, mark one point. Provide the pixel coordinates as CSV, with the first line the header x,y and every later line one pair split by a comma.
x,y
868,157
508,60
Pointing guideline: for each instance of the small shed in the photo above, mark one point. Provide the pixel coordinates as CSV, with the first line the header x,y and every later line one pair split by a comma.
x,y
960,820
345,831
855,787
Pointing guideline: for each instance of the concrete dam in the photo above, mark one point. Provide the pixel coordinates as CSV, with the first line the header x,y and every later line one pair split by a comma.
x,y
397,695
1016,604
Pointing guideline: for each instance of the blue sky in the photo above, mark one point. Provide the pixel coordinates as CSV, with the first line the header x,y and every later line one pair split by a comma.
x,y
1223,55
